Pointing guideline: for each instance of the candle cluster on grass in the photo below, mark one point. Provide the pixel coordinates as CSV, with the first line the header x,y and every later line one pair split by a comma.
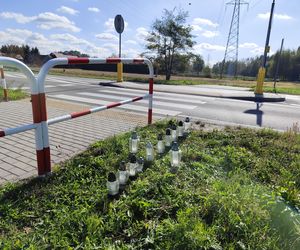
x,y
170,143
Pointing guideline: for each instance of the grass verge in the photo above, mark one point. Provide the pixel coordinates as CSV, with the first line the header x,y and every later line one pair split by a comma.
x,y
222,197
13,94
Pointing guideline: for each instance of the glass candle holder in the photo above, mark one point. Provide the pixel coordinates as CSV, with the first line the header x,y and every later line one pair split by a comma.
x,y
175,155
168,138
140,165
160,144
123,174
132,165
149,152
180,129
187,125
133,142
174,132
112,184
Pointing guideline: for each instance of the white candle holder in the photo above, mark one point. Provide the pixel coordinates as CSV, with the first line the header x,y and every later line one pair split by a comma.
x,y
187,125
168,138
174,132
112,184
140,165
149,152
123,174
175,155
160,144
132,165
133,143
180,129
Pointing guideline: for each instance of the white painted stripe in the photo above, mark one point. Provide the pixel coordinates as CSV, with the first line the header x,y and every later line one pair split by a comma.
x,y
15,75
295,105
26,88
191,98
114,97
23,128
158,95
129,107
59,119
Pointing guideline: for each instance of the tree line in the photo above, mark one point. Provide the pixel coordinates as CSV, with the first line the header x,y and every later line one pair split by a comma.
x,y
288,70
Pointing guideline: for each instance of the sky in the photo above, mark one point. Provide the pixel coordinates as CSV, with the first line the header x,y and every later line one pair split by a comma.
x,y
87,25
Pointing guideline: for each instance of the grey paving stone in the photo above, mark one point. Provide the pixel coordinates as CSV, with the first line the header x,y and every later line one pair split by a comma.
x,y
17,152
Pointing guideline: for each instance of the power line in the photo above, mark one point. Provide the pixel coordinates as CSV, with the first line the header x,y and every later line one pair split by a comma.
x,y
232,46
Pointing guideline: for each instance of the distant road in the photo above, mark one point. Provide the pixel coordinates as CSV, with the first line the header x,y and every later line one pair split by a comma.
x,y
279,116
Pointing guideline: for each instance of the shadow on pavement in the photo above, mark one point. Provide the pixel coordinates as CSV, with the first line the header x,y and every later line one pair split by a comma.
x,y
259,114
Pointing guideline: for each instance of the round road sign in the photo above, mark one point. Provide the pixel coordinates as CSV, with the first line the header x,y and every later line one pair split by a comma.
x,y
119,24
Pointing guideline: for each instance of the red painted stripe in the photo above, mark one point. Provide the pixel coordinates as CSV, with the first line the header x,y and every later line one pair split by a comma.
x,y
2,133
137,98
47,160
80,60
112,105
138,60
36,108
43,107
113,60
40,162
81,113
5,95
149,116
150,85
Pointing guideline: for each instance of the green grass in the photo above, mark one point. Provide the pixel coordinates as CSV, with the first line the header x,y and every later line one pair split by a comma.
x,y
283,90
13,94
222,197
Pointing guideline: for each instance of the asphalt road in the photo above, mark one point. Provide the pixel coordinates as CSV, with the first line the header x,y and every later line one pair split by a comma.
x,y
280,116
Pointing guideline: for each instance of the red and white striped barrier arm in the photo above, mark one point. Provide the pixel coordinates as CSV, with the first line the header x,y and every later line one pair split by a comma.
x,y
37,125
16,130
94,110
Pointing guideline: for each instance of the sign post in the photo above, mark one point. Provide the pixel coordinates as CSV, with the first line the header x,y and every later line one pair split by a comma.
x,y
119,26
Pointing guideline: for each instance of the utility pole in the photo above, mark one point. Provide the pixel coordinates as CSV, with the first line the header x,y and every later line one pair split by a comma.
x,y
262,70
232,46
277,64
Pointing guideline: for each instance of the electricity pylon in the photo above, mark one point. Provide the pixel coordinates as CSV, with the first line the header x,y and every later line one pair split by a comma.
x,y
232,46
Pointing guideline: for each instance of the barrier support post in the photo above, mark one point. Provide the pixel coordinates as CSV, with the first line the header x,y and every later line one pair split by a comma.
x,y
3,83
150,100
120,72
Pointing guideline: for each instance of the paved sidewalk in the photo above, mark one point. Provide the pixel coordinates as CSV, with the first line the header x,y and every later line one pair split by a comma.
x,y
17,152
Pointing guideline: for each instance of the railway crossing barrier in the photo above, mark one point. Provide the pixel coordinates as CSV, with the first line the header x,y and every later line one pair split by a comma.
x,y
38,98
3,84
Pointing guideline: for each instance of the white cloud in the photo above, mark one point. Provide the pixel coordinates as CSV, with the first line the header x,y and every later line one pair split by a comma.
x,y
45,20
19,18
196,27
107,36
48,20
248,46
276,16
141,34
110,26
257,51
67,10
70,39
208,47
204,22
210,34
131,42
55,42
93,9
